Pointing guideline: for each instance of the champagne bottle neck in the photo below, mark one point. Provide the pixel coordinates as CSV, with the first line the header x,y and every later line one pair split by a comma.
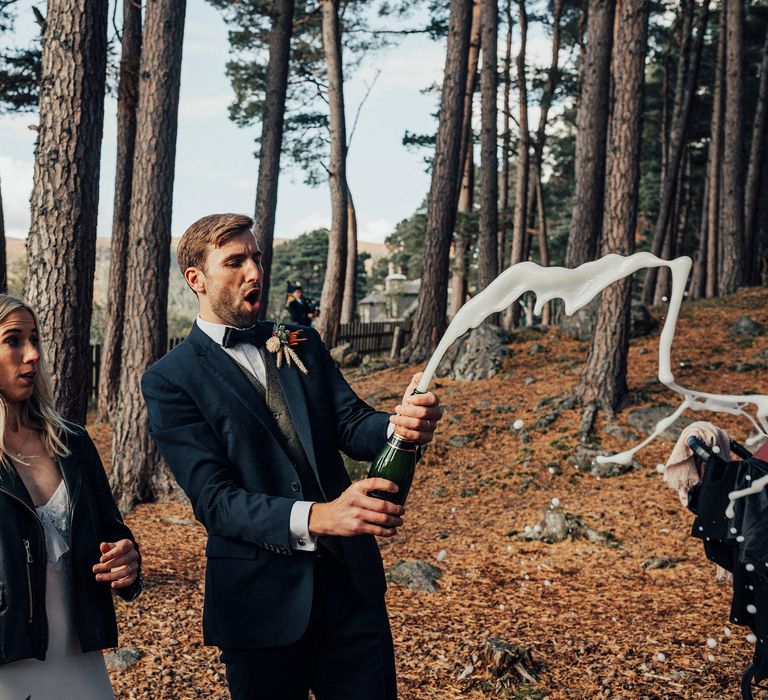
x,y
400,443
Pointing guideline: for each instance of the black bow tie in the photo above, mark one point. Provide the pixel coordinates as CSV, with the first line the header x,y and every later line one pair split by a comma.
x,y
256,335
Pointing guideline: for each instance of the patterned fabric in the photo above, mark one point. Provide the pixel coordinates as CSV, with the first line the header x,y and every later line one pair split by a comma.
x,y
55,518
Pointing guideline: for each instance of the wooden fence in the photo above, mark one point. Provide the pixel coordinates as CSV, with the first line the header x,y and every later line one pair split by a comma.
x,y
364,338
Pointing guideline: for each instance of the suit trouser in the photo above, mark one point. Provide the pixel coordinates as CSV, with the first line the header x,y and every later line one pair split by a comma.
x,y
345,653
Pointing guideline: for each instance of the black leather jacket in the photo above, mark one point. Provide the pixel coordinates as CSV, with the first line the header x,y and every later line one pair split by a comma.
x,y
94,519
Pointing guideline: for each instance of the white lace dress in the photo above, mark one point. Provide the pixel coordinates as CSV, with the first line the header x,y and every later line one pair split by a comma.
x,y
66,672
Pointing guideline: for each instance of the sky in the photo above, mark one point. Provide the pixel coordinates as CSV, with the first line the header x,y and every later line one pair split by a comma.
x,y
215,166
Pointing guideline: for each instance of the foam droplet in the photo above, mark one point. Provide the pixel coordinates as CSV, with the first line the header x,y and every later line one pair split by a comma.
x,y
751,638
661,468
442,554
661,657
711,643
555,502
751,609
518,424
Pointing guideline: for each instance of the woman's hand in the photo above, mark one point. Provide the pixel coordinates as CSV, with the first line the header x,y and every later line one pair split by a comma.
x,y
119,563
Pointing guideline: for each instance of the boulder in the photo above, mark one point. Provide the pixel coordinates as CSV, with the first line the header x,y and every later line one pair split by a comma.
x,y
581,324
644,420
415,574
478,355
344,356
586,459
557,526
122,658
745,326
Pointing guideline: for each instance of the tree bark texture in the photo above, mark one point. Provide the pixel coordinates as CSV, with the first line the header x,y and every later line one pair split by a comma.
x,y
686,83
755,173
473,56
465,203
520,226
715,158
333,286
541,215
350,272
732,212
271,141
699,279
591,128
487,261
138,472
61,248
127,101
429,321
520,223
604,382
506,149
462,239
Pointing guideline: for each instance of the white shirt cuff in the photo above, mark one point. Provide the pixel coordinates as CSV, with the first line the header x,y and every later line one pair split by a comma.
x,y
301,538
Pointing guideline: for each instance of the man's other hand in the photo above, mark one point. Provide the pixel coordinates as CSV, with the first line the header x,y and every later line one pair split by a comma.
x,y
354,512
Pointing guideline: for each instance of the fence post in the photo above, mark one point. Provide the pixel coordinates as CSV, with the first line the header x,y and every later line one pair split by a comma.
x,y
397,343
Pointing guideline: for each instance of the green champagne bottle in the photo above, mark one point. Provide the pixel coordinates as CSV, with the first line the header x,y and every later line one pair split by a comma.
x,y
396,462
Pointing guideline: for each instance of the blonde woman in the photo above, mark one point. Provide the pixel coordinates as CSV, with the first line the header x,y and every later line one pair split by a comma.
x,y
63,545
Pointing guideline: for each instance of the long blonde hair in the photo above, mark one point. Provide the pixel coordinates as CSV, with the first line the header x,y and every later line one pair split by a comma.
x,y
38,412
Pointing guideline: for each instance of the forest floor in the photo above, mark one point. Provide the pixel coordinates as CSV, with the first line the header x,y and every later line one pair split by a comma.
x,y
596,623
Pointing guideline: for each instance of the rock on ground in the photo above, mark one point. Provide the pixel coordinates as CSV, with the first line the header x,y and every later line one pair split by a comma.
x,y
644,420
558,526
745,326
478,355
122,658
415,574
344,356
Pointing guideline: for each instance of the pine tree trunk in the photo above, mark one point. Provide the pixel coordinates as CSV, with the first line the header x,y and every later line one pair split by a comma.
x,y
3,259
138,472
487,256
604,382
127,100
461,239
465,203
714,168
699,279
473,55
732,212
755,173
333,286
271,141
546,312
61,248
350,272
591,128
429,321
520,226
506,146
685,89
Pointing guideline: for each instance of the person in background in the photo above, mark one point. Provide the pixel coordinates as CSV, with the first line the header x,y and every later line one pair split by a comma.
x,y
300,310
63,545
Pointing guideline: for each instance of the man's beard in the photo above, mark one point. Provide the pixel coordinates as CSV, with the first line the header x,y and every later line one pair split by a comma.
x,y
226,306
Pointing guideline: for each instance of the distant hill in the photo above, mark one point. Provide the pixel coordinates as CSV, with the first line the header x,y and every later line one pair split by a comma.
x,y
182,305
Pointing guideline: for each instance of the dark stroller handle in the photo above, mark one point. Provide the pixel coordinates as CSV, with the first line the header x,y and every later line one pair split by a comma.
x,y
705,452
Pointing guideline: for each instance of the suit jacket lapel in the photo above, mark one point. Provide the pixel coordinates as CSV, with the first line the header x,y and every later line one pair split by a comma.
x,y
293,393
230,376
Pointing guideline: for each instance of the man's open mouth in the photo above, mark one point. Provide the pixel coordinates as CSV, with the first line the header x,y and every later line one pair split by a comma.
x,y
253,296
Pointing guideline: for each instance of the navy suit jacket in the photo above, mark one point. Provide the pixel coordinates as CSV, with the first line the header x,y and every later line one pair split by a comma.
x,y
220,442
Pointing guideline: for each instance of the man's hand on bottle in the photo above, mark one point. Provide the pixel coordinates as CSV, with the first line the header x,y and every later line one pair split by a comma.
x,y
354,512
416,417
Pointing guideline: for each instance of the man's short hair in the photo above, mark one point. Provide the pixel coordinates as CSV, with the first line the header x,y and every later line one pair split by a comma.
x,y
214,230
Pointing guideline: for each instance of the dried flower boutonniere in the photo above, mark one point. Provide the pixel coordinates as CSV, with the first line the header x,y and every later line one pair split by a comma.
x,y
282,343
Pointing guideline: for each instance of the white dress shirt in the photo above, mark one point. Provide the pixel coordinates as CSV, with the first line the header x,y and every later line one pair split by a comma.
x,y
250,357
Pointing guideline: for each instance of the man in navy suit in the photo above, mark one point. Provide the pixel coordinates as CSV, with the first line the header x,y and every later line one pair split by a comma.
x,y
294,589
